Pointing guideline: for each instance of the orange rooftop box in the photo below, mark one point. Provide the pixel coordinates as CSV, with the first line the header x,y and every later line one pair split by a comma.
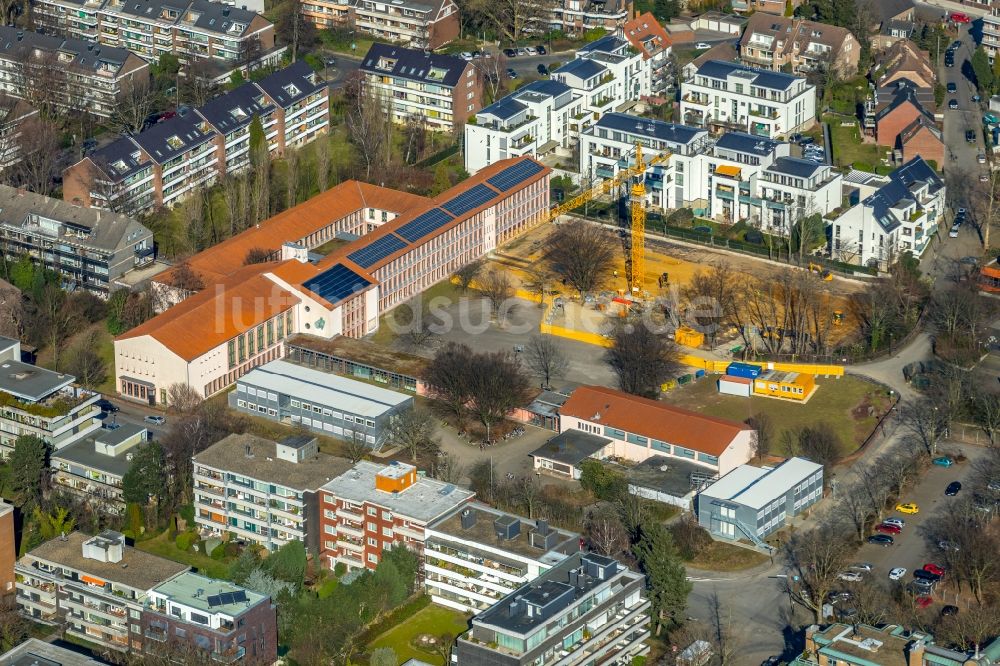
x,y
396,477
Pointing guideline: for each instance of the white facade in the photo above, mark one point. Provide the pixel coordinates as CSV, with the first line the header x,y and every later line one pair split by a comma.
x,y
763,103
902,215
548,115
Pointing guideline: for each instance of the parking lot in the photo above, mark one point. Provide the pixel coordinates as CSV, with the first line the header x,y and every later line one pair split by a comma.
x,y
910,548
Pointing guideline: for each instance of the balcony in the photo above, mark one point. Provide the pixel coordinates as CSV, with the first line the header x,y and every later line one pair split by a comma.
x,y
350,531
525,140
764,113
694,99
158,634
229,656
350,515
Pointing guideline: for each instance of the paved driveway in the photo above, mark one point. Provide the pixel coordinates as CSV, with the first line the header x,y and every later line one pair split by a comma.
x,y
961,154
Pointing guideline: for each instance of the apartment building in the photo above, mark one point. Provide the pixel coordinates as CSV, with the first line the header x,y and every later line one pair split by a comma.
x,y
15,116
734,177
787,44
725,96
40,402
166,162
477,555
191,30
373,507
420,24
646,34
549,115
991,33
321,401
89,249
261,490
575,17
221,621
343,293
68,75
8,549
639,428
588,609
441,91
93,468
896,214
754,502
94,588
861,645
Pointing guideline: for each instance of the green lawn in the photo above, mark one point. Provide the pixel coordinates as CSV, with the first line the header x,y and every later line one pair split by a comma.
x,y
164,547
833,403
719,556
433,620
848,149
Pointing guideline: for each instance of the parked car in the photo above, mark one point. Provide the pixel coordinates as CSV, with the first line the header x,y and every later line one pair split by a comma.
x,y
511,74
522,51
949,610
898,522
984,177
842,595
952,88
887,529
923,574
923,601
465,55
106,405
701,46
541,49
933,568
977,98
510,53
543,70
993,486
981,158
953,488
943,461
953,232
155,420
970,136
908,508
959,17
883,540
949,62
897,573
948,545
956,44
953,104
861,566
850,576
530,50
806,140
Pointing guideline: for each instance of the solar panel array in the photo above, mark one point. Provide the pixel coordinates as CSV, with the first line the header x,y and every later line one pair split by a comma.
x,y
226,598
376,251
514,175
423,224
469,200
336,283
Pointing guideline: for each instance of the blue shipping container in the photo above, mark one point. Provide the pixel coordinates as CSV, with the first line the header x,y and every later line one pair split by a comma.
x,y
744,370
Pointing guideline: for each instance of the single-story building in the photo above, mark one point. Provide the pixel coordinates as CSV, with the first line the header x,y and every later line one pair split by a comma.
x,y
563,453
668,480
753,502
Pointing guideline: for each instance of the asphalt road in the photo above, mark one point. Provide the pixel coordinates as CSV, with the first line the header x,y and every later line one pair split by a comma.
x,y
130,412
961,155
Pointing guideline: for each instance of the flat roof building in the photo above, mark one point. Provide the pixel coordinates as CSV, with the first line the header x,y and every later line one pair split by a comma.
x,y
476,555
34,652
373,507
222,621
753,502
262,490
588,609
93,468
40,402
94,587
321,401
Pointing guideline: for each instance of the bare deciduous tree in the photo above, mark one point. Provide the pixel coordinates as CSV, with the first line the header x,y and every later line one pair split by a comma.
x,y
321,147
134,105
368,125
605,532
413,432
642,360
545,358
497,386
582,254
498,289
512,19
39,150
183,398
817,557
763,428
466,274
925,422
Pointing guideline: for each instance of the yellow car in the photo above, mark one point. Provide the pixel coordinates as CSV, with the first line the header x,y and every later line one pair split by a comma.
x,y
909,507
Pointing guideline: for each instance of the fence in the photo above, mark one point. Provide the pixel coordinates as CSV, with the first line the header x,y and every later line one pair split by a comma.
x,y
968,433
439,156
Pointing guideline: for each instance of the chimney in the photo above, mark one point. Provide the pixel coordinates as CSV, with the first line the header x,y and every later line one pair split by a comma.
x,y
468,518
225,11
915,655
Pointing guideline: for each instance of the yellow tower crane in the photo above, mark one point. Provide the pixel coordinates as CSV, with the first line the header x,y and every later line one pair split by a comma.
x,y
638,207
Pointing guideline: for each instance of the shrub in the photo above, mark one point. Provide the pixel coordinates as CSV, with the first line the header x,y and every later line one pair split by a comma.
x,y
185,539
219,552
690,538
681,217
187,513
339,569
232,549
203,547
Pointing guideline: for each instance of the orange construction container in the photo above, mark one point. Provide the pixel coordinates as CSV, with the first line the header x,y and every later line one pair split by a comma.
x,y
687,336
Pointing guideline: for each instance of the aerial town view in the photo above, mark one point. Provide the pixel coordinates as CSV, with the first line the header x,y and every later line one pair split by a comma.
x,y
499,332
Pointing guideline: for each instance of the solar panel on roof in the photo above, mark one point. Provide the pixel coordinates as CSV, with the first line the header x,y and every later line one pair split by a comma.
x,y
423,224
469,200
336,283
514,175
377,250
213,600
239,597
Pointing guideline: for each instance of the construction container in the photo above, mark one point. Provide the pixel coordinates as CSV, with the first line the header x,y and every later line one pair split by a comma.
x,y
687,336
745,370
683,379
698,374
790,385
730,385
668,385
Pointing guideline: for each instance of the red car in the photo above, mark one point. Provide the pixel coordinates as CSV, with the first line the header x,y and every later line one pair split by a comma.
x,y
934,569
888,529
959,17
923,602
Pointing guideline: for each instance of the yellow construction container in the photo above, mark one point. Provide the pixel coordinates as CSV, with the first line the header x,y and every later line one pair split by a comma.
x,y
791,385
687,336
